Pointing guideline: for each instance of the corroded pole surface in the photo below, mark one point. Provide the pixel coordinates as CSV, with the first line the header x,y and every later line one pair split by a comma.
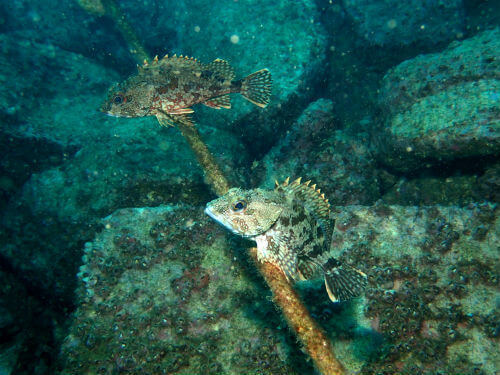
x,y
213,175
136,47
312,336
295,312
112,9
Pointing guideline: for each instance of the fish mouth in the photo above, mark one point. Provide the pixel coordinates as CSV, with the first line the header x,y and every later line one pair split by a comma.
x,y
219,221
212,215
106,110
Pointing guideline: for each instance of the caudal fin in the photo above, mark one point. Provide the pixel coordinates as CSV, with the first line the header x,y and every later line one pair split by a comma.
x,y
343,282
257,87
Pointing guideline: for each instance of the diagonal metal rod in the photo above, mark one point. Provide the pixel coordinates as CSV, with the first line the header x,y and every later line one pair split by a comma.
x,y
213,175
295,312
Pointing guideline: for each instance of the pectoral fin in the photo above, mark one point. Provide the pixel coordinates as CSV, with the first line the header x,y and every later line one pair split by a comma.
x,y
342,281
181,111
170,120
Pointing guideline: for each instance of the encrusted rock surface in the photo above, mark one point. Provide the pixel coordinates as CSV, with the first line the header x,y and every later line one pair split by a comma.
x,y
58,99
164,290
444,106
434,275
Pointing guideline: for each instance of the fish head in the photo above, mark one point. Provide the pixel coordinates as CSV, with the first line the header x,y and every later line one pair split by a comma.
x,y
247,213
132,98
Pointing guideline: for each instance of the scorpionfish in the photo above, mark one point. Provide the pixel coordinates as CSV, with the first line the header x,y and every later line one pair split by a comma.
x,y
167,88
293,229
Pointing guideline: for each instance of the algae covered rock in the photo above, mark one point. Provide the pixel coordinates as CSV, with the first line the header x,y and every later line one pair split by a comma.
x,y
340,164
59,99
66,25
434,275
443,106
395,23
161,291
57,209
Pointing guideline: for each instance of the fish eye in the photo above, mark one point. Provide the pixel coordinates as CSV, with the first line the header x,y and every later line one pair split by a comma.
x,y
118,99
239,205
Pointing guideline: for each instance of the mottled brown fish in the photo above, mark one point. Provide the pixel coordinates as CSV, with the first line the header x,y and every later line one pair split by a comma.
x,y
293,229
169,87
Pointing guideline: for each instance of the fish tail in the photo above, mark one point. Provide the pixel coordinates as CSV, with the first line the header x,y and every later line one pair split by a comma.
x,y
256,88
343,281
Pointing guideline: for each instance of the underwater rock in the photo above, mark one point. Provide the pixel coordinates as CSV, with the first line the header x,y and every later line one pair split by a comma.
x,y
445,106
60,206
340,164
54,23
456,190
59,99
24,154
489,183
163,289
28,326
393,23
285,37
152,166
434,274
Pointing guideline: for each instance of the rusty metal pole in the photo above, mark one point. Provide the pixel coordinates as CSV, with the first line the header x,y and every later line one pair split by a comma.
x,y
295,312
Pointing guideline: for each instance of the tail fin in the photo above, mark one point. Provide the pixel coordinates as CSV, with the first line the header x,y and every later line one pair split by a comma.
x,y
342,281
257,87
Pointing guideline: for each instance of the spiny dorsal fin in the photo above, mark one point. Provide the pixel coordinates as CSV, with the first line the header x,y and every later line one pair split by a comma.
x,y
222,67
313,199
180,62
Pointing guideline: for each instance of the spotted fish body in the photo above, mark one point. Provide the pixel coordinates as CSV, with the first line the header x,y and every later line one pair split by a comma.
x,y
292,228
167,89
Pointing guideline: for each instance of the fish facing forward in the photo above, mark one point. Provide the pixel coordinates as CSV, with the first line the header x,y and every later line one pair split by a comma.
x,y
167,88
292,228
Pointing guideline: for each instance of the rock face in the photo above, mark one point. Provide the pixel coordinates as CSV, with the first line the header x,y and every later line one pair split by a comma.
x,y
444,106
24,154
394,23
59,99
53,23
434,275
147,167
340,164
163,290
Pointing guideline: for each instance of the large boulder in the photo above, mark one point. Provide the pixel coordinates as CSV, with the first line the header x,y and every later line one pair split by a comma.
x,y
58,208
76,26
444,106
58,100
162,291
315,149
434,284
393,23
